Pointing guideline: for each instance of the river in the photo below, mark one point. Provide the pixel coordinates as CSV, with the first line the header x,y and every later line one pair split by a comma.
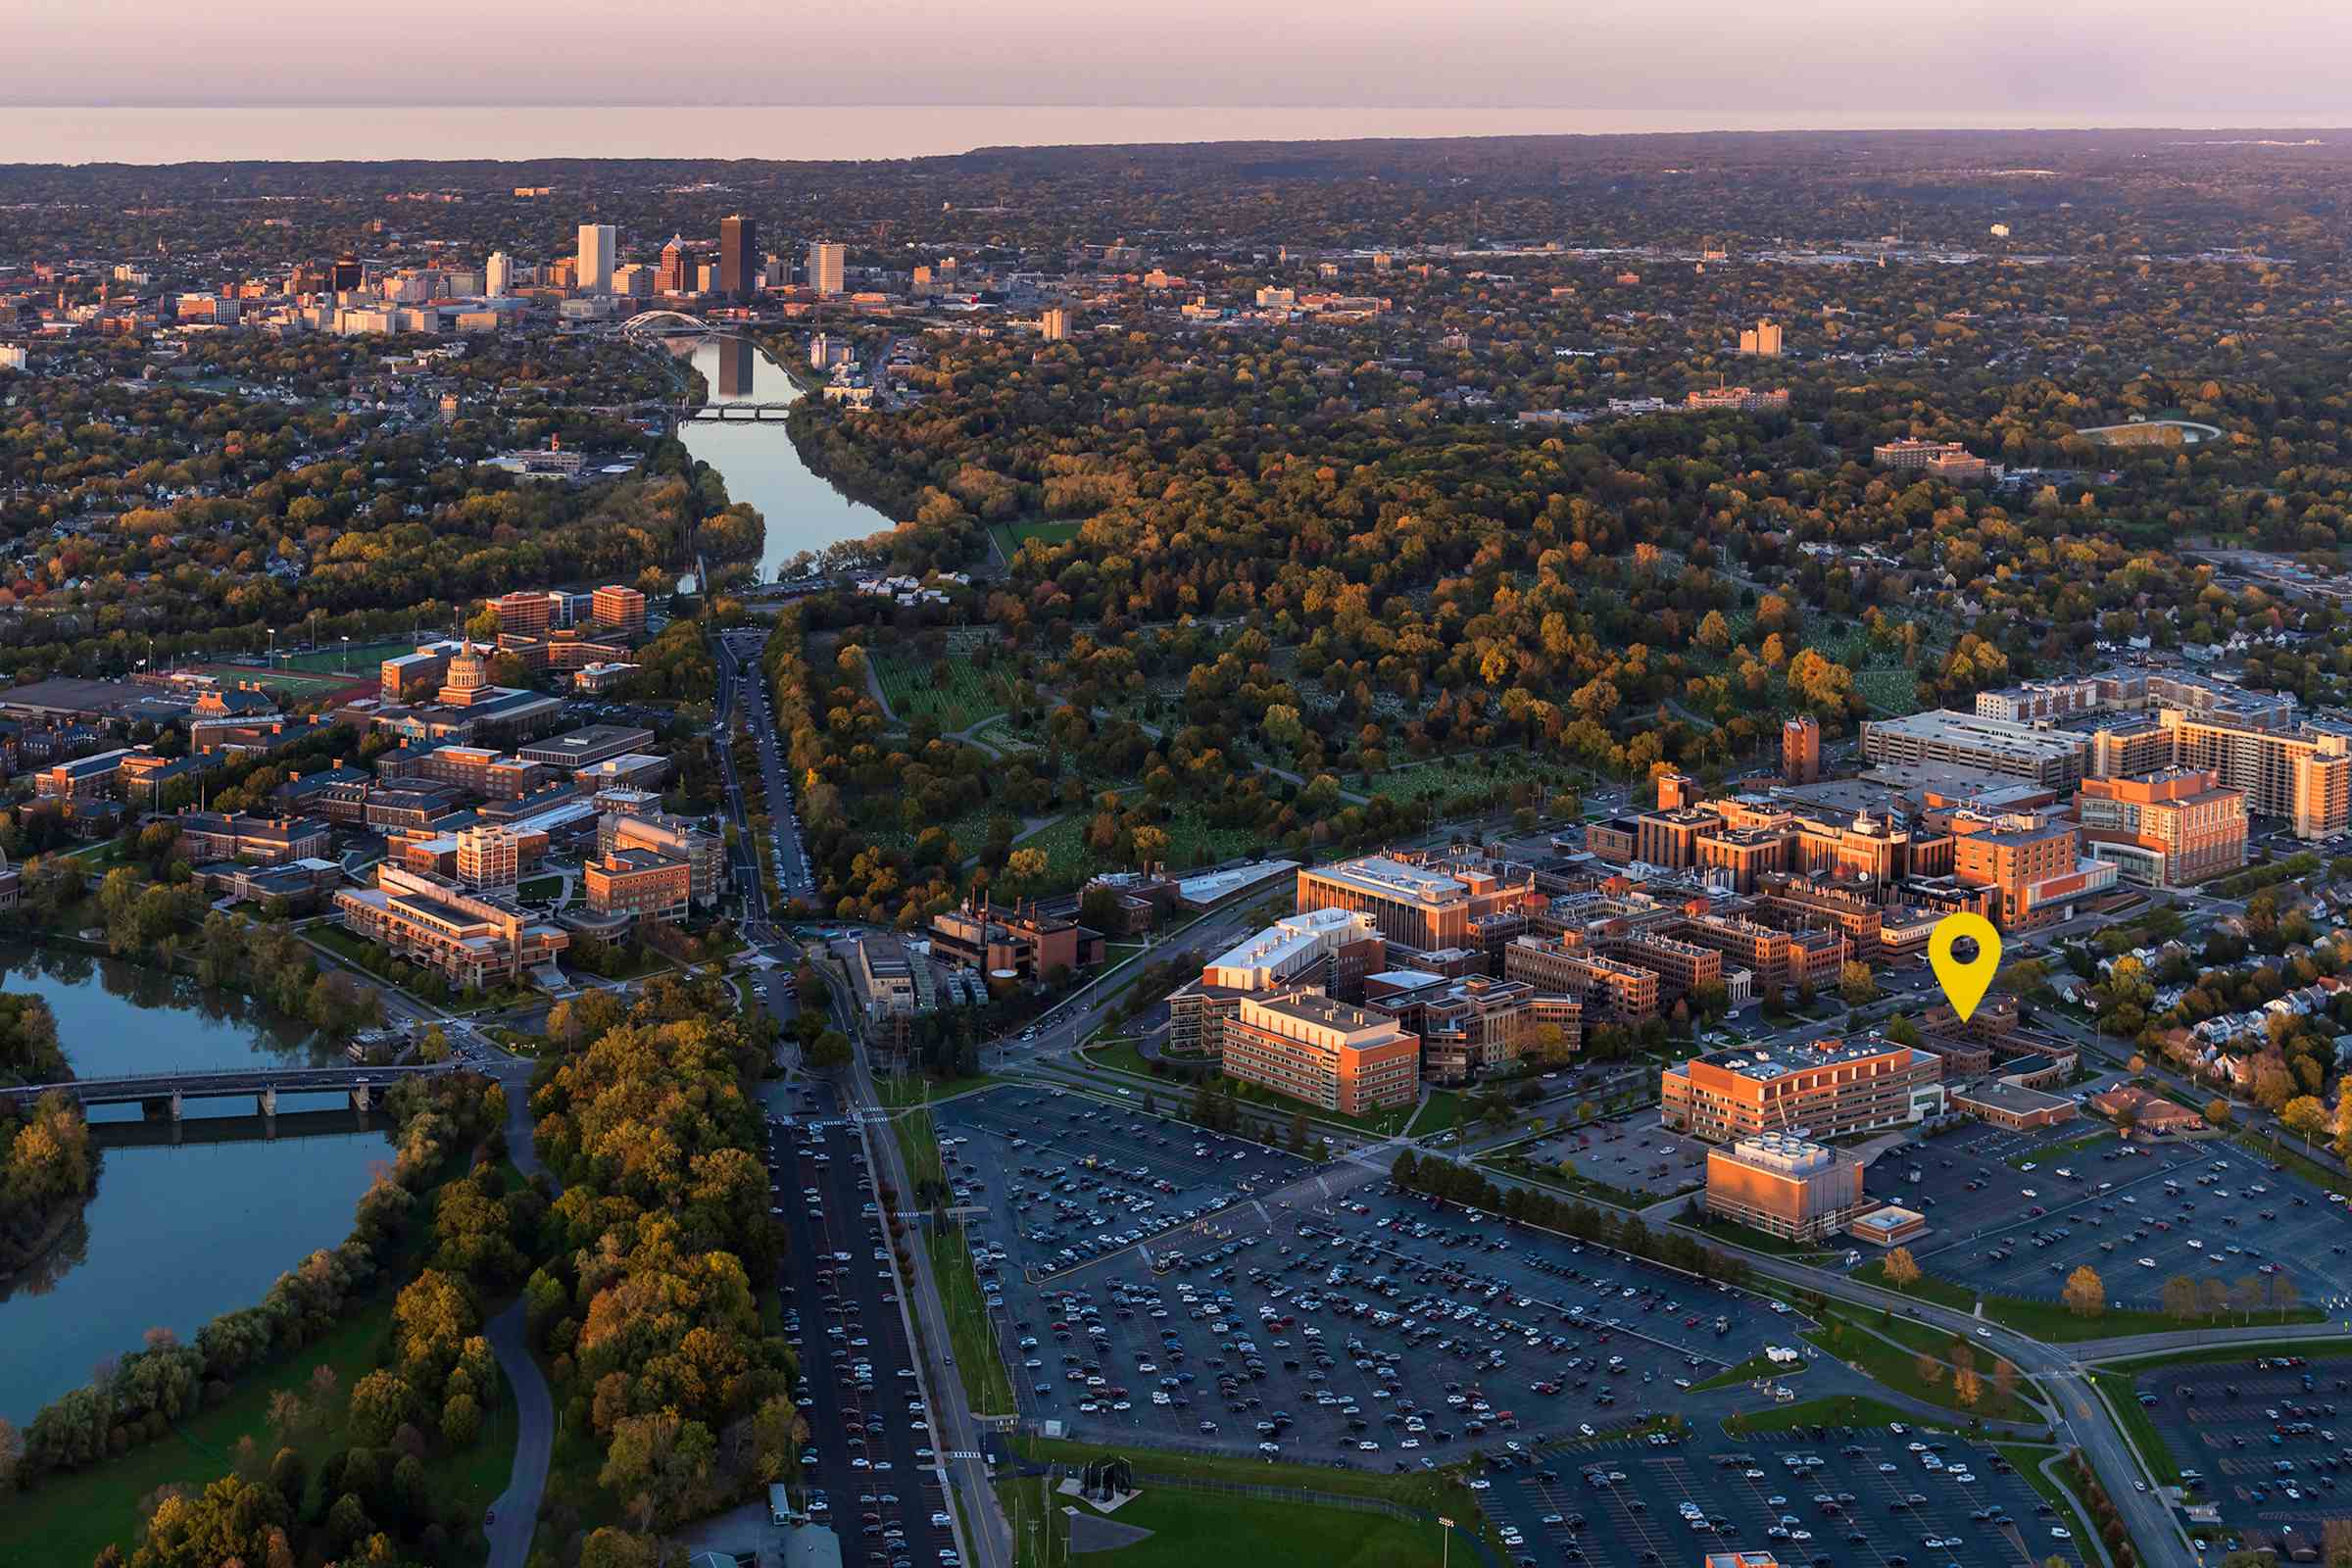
x,y
176,1236
760,465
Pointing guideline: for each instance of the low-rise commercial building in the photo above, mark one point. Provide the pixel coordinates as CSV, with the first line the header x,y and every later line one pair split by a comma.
x,y
1785,1186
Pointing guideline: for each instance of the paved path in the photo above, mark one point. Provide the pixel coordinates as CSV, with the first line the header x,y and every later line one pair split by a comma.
x,y
515,1517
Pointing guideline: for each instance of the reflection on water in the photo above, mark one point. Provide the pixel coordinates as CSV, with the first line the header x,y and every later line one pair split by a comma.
x,y
116,1018
734,378
803,512
175,1235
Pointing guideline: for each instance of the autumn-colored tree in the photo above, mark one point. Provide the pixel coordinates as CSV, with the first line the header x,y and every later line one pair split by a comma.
x,y
2086,1294
1902,1268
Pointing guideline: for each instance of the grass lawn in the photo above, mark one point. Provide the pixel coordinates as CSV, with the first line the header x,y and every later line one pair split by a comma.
x,y
358,659
1120,1054
1571,1185
65,1522
539,888
1011,536
2048,1321
2122,1393
1190,1528
920,1089
985,1382
1848,1339
2027,1459
1442,1113
964,696
1839,1410
1747,1371
1735,1234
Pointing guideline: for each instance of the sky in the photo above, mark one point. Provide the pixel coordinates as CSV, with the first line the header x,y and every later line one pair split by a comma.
x,y
1989,62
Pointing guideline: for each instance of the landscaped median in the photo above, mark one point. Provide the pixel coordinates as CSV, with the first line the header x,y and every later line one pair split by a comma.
x,y
1836,1410
1760,1365
2052,1322
971,1337
1929,1364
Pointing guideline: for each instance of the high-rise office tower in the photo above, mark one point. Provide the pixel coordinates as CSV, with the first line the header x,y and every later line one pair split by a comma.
x,y
349,273
676,276
599,243
499,275
1053,324
739,263
826,266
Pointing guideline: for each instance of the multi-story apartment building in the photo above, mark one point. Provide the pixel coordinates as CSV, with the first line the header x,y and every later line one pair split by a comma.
x,y
1785,1186
2164,829
1325,1052
526,611
2303,775
617,609
1423,904
481,770
473,941
644,886
81,778
1824,1090
1680,966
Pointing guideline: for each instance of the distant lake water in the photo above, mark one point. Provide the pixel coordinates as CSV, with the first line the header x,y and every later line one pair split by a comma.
x,y
142,136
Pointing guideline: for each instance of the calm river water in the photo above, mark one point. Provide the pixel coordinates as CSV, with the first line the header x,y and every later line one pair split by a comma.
x,y
177,1234
760,464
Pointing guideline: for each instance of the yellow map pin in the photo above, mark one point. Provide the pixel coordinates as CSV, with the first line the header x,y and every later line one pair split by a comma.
x,y
1964,983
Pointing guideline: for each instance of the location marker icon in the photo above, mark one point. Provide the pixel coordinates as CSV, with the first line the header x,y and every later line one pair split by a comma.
x,y
1964,980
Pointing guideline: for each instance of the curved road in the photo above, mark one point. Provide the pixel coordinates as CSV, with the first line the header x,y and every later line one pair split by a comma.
x,y
516,1515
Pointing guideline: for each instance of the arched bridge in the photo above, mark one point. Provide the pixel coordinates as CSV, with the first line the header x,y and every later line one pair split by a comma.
x,y
666,323
263,1084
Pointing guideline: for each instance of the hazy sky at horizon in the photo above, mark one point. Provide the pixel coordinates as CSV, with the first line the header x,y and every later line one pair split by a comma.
x,y
2079,61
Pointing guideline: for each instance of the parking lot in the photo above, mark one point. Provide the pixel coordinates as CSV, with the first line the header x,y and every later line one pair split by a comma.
x,y
1088,1176
1316,1313
1635,1155
2139,1215
1871,1497
869,1467
2269,1440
